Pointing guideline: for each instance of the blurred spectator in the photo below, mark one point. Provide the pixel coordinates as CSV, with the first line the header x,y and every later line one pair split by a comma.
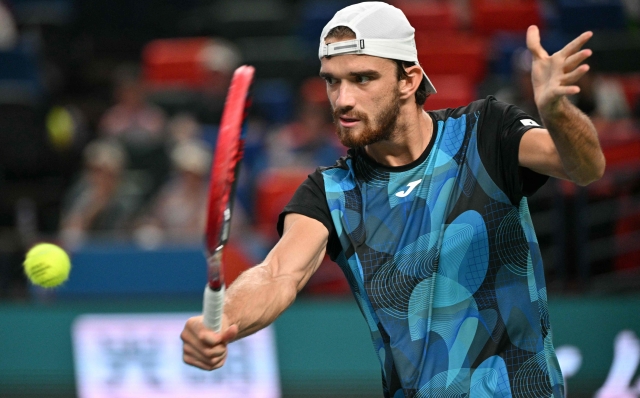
x,y
132,118
183,127
600,97
520,93
103,200
178,213
310,140
632,9
140,127
8,30
220,58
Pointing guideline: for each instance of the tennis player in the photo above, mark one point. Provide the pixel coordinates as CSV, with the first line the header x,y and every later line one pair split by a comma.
x,y
427,216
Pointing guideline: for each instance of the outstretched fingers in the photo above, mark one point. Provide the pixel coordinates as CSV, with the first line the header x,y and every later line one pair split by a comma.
x,y
575,75
556,75
573,61
576,44
565,90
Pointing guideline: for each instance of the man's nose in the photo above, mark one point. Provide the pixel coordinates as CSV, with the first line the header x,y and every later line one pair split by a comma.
x,y
346,98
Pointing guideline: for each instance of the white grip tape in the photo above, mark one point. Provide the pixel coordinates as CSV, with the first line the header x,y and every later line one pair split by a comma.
x,y
212,308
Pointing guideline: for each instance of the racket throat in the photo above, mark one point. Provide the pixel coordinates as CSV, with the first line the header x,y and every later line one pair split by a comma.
x,y
214,264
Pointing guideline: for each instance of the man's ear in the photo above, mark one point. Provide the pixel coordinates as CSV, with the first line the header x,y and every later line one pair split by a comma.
x,y
409,84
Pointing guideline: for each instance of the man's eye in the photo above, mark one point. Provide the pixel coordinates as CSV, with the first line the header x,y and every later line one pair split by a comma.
x,y
330,80
363,79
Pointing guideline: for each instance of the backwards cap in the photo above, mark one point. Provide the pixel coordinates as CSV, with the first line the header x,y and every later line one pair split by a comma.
x,y
381,30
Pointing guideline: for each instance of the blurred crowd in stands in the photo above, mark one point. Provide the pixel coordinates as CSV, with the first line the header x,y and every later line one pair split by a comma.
x,y
109,113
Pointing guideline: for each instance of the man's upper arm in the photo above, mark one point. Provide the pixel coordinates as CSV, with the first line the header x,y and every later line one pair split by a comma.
x,y
300,250
538,152
501,144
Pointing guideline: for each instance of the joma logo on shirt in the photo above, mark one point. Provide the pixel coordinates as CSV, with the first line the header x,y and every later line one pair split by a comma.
x,y
411,186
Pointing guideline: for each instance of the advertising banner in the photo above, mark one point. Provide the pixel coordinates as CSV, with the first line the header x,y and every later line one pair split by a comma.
x,y
140,355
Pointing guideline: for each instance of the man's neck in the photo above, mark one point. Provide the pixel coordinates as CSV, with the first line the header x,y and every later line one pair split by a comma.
x,y
410,139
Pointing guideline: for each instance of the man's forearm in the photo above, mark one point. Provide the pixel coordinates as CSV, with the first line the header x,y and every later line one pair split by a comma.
x,y
257,298
576,141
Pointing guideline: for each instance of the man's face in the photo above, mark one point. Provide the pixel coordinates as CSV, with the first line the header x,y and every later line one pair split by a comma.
x,y
364,95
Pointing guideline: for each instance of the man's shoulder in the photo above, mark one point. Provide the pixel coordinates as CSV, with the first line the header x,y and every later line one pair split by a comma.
x,y
471,108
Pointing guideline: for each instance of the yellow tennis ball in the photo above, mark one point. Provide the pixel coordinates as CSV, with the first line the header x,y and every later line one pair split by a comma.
x,y
47,265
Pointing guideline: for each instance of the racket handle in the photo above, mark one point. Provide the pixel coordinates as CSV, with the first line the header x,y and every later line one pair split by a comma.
x,y
212,308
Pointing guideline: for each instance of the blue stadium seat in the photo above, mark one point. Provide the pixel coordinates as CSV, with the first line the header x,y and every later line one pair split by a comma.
x,y
126,269
273,100
577,16
314,14
20,80
504,45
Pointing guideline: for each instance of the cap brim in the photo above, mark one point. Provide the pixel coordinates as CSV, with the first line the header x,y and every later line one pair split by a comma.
x,y
430,87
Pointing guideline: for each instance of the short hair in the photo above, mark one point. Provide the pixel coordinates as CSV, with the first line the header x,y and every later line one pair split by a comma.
x,y
344,32
341,32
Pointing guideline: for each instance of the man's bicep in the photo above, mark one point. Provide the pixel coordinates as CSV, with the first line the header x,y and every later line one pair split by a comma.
x,y
538,152
300,250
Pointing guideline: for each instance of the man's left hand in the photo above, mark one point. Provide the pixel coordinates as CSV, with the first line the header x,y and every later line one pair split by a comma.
x,y
554,76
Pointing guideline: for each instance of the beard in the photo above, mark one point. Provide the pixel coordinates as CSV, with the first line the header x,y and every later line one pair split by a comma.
x,y
381,128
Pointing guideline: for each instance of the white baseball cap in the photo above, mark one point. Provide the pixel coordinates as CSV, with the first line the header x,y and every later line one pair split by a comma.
x,y
382,30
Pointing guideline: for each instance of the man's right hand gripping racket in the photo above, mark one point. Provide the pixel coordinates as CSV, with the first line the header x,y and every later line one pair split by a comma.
x,y
224,173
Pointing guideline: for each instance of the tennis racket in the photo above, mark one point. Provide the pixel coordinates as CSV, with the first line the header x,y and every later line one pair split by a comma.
x,y
224,172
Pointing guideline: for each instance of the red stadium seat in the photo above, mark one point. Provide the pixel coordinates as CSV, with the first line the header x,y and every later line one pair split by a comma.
x,y
631,87
489,16
176,62
433,16
453,53
235,262
624,155
274,190
453,91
